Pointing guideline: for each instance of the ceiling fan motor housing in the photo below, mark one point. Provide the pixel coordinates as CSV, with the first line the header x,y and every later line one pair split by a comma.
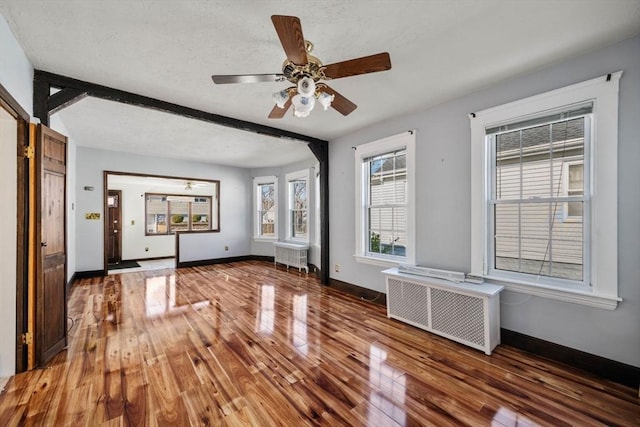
x,y
313,69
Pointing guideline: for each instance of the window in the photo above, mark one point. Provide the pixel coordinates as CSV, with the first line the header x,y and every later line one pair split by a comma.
x,y
266,199
544,188
298,218
532,167
385,214
169,213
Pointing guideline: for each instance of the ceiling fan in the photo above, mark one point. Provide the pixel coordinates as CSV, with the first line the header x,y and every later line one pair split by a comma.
x,y
306,72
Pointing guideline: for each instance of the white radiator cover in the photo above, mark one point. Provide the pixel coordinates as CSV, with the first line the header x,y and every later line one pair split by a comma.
x,y
291,255
463,312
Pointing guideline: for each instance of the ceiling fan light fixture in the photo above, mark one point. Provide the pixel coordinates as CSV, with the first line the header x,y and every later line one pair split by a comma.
x,y
325,100
306,87
280,98
302,105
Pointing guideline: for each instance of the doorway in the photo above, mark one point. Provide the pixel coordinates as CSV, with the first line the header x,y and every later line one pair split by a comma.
x,y
15,164
114,221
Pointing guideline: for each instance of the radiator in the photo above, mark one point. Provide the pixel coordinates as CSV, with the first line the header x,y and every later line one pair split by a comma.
x,y
291,255
463,312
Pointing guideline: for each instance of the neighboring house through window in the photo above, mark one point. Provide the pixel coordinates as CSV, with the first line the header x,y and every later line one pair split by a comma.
x,y
544,187
266,199
385,224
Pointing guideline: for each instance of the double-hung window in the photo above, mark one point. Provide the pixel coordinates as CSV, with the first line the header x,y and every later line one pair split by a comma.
x,y
544,193
384,200
266,203
537,184
298,206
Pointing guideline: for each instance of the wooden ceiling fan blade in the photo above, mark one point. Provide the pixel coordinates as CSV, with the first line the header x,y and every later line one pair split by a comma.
x,y
340,103
354,67
277,112
289,31
247,78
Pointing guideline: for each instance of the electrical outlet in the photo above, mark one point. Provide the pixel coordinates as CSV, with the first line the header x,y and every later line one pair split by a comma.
x,y
146,249
337,268
133,222
226,248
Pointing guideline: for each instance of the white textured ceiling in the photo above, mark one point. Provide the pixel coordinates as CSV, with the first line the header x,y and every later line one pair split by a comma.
x,y
439,49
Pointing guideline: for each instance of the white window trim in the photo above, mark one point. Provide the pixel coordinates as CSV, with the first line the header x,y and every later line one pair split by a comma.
x,y
293,176
603,92
404,139
256,222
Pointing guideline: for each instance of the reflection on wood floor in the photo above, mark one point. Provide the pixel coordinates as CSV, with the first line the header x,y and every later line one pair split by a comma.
x,y
248,344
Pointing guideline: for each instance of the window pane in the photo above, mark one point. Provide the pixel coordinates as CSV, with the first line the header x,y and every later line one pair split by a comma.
x,y
527,242
299,223
300,194
200,209
266,210
178,216
540,162
387,197
298,209
156,209
387,231
267,200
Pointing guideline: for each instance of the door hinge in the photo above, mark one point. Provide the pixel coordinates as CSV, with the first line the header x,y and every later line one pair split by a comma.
x,y
27,338
28,152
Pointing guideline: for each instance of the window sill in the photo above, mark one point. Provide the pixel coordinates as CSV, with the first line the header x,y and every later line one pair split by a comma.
x,y
265,239
381,262
300,241
576,296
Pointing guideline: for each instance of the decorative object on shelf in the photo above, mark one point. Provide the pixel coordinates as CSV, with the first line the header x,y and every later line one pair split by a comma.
x,y
305,71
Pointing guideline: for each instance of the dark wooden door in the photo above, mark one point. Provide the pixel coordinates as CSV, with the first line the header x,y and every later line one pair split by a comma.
x,y
114,235
51,298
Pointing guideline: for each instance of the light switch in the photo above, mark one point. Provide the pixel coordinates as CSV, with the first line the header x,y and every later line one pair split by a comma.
x,y
133,222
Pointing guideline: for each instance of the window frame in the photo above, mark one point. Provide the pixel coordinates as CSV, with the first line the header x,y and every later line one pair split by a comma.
x,y
168,213
602,230
406,140
257,182
302,175
493,200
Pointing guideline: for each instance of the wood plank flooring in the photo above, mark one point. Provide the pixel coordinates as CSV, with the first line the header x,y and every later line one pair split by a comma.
x,y
248,344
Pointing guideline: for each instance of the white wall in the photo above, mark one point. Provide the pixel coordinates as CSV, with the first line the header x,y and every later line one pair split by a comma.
x,y
16,76
443,204
235,196
8,228
16,72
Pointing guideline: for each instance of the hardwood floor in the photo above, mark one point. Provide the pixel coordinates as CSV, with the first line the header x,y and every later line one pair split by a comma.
x,y
249,344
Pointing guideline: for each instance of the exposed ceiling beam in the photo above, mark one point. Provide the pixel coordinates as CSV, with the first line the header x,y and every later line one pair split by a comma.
x,y
43,81
63,99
